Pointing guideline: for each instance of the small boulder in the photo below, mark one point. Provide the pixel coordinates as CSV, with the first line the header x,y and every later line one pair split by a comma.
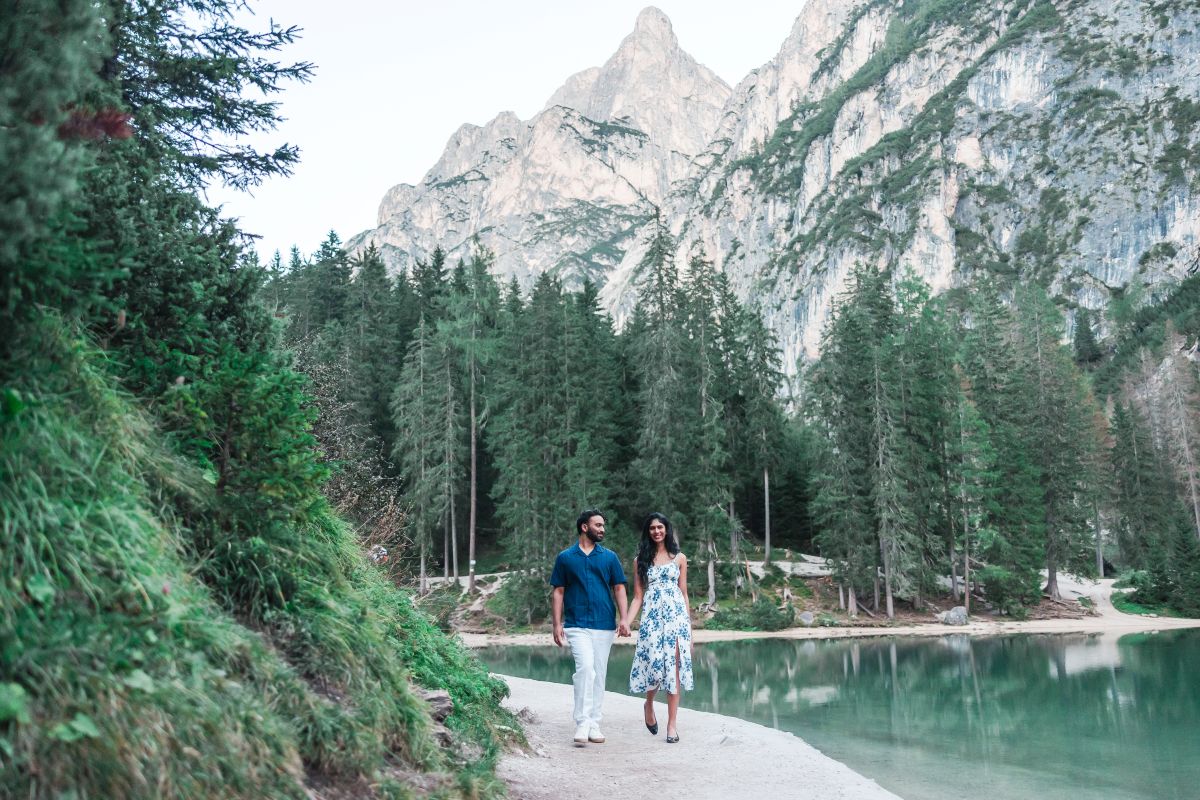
x,y
440,704
955,616
807,619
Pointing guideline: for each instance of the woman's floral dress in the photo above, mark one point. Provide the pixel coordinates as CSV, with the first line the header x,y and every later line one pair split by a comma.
x,y
665,626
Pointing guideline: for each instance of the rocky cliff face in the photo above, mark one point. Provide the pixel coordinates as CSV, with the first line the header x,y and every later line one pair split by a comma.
x,y
1055,140
568,190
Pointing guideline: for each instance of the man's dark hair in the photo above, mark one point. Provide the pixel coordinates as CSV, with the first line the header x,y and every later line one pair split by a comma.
x,y
586,515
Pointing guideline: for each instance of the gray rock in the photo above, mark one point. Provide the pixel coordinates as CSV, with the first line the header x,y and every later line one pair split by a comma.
x,y
955,616
440,703
807,619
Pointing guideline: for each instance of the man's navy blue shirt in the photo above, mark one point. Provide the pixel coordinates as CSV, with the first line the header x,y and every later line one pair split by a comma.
x,y
587,581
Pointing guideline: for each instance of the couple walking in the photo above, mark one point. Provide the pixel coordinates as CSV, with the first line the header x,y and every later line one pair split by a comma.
x,y
587,578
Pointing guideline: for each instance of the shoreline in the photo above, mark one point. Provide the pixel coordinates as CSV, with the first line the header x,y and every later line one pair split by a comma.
x,y
1112,622
717,757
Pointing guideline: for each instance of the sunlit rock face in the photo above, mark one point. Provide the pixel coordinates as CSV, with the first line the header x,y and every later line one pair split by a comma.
x,y
566,191
1034,139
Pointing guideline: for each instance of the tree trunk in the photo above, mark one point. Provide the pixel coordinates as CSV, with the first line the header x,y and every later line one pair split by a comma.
x,y
887,582
474,485
953,571
453,539
1189,460
767,515
966,564
423,581
887,585
1052,578
1099,540
712,577
449,481
446,543
733,534
852,602
841,597
875,604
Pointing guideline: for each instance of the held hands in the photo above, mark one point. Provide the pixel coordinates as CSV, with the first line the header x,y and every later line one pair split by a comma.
x,y
623,629
560,636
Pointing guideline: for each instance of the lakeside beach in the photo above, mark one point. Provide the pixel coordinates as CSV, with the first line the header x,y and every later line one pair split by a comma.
x,y
1105,619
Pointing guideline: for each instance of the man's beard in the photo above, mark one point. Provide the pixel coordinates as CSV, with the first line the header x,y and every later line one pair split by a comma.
x,y
596,538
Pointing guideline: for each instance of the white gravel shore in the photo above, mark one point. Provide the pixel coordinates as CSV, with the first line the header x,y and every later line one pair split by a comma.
x,y
717,757
1106,620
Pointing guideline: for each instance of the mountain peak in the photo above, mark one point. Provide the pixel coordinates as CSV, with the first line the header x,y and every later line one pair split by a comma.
x,y
652,23
651,84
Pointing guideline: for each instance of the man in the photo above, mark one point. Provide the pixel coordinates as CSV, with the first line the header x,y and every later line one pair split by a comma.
x,y
586,578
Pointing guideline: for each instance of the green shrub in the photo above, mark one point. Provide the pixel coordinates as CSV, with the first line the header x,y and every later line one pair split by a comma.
x,y
761,615
524,599
1011,591
440,604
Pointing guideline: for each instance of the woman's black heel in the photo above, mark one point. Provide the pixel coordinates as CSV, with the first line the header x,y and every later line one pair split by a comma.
x,y
652,726
672,739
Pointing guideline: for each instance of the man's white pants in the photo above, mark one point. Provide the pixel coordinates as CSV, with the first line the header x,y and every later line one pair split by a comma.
x,y
590,649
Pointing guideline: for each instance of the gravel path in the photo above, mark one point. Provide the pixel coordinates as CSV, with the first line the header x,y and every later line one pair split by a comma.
x,y
717,758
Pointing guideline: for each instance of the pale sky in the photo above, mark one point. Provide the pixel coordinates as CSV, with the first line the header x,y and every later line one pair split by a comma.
x,y
395,80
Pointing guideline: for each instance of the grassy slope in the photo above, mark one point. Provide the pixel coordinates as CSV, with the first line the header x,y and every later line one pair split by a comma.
x,y
122,676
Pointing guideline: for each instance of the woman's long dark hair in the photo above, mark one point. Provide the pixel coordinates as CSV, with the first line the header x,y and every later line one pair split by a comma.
x,y
647,549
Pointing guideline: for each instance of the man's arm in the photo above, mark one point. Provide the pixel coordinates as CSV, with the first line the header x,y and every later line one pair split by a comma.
x,y
556,614
616,579
622,609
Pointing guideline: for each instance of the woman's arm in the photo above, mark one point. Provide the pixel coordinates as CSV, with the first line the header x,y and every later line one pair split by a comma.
x,y
636,605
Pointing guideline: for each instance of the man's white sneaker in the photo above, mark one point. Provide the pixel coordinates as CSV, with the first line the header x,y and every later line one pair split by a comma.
x,y
581,735
594,735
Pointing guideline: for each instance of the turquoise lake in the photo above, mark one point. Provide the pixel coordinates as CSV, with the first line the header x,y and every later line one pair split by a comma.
x,y
1085,717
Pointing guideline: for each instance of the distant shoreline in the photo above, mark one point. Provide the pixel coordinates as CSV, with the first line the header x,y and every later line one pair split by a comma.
x,y
1108,623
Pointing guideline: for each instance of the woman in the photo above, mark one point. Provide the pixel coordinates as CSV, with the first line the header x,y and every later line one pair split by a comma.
x,y
663,659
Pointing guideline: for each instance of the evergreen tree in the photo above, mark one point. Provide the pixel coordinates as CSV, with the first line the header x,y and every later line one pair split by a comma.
x,y
706,384
1012,549
657,344
927,396
1087,349
975,480
51,67
530,433
763,421
851,384
595,400
1058,434
429,284
420,450
1180,409
370,331
470,325
1144,499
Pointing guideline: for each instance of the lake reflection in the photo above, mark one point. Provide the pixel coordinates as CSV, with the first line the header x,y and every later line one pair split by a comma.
x,y
1066,716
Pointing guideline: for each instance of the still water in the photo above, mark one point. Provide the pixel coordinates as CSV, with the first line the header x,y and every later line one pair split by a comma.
x,y
1085,717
